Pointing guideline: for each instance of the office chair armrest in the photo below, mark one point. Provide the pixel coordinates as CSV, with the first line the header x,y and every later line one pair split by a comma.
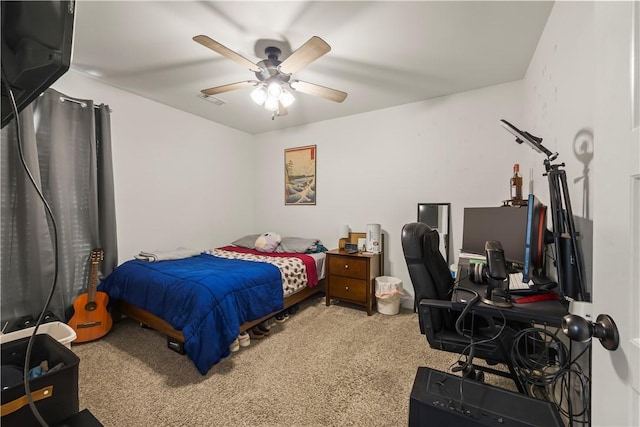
x,y
426,305
436,303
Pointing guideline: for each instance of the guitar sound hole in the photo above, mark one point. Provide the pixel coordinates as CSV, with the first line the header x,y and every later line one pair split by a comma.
x,y
91,306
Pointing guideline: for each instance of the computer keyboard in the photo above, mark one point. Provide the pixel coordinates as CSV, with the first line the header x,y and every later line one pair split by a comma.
x,y
515,282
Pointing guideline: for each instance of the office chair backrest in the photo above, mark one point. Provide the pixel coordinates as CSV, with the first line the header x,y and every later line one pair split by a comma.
x,y
428,269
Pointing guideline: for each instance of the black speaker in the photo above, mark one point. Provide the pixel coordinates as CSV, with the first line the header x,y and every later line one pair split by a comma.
x,y
439,399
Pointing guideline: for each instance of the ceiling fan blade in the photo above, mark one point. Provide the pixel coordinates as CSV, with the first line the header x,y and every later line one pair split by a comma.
x,y
225,51
317,90
226,88
313,49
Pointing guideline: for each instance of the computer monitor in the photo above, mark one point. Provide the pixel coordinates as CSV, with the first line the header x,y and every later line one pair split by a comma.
x,y
36,49
506,224
535,239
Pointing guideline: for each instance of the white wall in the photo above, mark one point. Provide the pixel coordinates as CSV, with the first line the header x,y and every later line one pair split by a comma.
x,y
376,167
559,99
180,180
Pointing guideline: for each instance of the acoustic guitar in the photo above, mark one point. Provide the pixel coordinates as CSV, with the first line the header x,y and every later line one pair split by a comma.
x,y
91,320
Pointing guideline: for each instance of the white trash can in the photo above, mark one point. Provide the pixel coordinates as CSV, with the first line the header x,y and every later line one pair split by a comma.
x,y
388,293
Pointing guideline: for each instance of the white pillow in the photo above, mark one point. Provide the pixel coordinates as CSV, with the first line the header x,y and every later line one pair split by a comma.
x,y
267,242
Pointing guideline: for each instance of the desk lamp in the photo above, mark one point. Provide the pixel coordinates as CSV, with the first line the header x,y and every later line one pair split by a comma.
x,y
604,328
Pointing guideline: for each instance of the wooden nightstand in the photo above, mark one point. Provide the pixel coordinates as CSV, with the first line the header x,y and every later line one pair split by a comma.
x,y
351,277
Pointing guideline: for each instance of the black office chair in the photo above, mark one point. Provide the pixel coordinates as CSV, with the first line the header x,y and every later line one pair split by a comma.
x,y
433,286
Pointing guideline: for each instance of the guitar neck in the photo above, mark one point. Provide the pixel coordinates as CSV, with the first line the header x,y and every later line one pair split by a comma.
x,y
93,281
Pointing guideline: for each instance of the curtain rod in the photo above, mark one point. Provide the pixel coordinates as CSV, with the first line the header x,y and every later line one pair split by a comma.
x,y
81,103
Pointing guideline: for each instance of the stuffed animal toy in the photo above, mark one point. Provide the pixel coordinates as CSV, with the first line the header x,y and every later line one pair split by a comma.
x,y
267,242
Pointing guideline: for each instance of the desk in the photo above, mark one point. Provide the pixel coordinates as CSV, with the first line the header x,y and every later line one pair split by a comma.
x,y
549,313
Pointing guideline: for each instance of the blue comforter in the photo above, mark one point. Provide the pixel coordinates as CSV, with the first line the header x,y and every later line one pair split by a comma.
x,y
205,297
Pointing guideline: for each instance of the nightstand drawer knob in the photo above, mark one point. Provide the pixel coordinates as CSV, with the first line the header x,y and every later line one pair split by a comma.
x,y
346,266
346,288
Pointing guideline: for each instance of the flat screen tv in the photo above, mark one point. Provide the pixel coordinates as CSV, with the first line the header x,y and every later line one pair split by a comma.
x,y
37,41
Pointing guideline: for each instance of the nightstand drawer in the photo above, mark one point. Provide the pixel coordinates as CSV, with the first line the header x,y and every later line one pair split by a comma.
x,y
348,289
348,266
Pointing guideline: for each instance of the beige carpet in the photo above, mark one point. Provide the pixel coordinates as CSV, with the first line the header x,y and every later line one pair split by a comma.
x,y
325,366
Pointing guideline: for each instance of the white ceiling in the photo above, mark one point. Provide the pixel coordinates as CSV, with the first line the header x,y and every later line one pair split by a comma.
x,y
384,53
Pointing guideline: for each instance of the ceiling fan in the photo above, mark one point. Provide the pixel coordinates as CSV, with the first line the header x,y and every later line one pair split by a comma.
x,y
274,77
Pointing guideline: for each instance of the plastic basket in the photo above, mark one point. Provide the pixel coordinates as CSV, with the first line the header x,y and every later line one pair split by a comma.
x,y
63,333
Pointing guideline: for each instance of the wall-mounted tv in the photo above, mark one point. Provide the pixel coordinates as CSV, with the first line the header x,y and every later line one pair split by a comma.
x,y
37,41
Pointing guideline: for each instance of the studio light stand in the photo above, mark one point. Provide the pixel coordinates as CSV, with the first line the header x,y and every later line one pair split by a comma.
x,y
568,262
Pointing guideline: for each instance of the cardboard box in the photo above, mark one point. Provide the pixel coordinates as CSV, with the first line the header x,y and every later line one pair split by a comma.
x,y
55,394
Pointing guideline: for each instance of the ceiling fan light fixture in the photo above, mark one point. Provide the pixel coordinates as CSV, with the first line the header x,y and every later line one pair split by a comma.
x,y
274,90
271,104
259,95
287,98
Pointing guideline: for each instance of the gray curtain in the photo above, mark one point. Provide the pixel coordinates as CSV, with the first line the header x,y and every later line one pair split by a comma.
x,y
67,147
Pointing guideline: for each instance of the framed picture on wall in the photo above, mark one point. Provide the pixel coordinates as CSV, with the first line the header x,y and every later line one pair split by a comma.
x,y
300,175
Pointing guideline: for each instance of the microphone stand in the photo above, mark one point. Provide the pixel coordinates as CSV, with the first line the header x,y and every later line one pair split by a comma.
x,y
568,260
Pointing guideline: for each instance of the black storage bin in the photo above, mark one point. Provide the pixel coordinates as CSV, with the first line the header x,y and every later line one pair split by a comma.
x,y
61,399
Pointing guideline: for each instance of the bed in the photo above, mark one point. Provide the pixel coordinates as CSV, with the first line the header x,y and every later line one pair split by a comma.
x,y
204,301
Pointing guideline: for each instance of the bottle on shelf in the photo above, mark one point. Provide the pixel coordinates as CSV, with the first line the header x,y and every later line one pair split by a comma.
x,y
516,184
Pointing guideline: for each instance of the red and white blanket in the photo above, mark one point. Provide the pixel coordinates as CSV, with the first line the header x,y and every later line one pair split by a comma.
x,y
298,270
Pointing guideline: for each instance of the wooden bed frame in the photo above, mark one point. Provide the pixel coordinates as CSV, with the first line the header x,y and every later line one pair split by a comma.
x,y
139,315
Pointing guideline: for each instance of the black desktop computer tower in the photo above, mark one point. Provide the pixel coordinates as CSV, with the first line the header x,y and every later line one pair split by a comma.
x,y
436,400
